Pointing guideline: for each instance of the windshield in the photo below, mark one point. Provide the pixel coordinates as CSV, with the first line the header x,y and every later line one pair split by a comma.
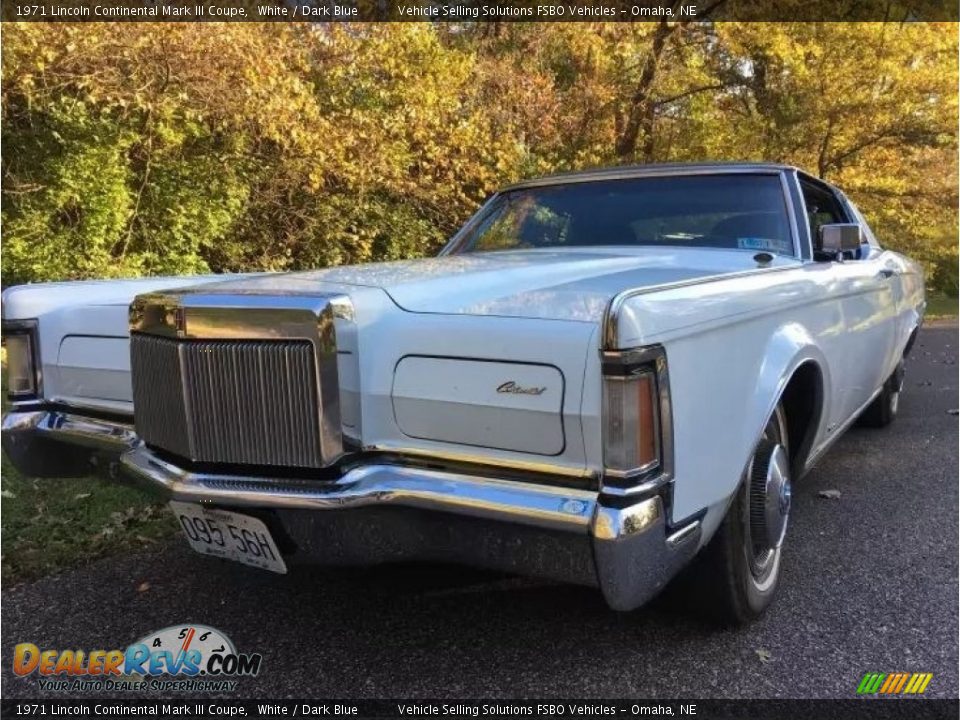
x,y
747,212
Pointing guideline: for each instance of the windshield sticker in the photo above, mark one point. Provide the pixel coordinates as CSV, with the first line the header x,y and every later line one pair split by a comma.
x,y
759,243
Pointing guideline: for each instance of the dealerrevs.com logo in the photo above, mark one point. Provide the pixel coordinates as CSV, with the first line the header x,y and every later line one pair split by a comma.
x,y
191,658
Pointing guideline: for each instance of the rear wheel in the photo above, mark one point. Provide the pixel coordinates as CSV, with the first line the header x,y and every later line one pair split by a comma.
x,y
883,410
737,574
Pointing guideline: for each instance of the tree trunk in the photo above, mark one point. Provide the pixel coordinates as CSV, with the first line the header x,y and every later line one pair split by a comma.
x,y
641,109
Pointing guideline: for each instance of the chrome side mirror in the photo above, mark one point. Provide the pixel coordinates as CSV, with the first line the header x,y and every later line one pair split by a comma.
x,y
838,238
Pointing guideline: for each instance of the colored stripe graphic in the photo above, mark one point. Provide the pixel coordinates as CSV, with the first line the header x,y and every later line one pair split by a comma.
x,y
900,683
894,683
870,683
918,683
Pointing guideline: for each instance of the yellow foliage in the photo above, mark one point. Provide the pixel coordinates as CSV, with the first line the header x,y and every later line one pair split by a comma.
x,y
339,143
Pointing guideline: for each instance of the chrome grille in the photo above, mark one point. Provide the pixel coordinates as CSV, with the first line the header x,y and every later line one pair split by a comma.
x,y
228,401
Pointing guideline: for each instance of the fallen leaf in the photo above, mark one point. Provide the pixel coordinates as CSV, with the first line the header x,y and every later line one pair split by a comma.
x,y
81,496
829,494
764,655
143,587
7,494
145,540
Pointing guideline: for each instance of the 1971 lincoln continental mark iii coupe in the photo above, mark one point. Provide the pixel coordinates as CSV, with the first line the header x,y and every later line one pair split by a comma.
x,y
603,378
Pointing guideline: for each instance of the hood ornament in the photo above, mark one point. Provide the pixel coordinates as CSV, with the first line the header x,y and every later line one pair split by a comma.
x,y
180,321
513,388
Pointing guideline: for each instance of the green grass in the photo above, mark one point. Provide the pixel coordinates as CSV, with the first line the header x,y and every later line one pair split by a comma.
x,y
941,306
53,524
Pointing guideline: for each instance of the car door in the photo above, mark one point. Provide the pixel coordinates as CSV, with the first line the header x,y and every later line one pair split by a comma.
x,y
862,286
890,267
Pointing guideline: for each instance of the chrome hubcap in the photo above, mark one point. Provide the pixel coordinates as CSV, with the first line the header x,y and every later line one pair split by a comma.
x,y
770,501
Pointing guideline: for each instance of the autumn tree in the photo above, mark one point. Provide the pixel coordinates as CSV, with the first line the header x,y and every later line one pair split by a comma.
x,y
173,148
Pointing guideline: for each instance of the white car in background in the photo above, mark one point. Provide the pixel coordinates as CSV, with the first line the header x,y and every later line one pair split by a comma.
x,y
603,377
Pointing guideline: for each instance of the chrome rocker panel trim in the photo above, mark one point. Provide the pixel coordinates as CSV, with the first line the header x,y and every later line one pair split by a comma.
x,y
557,532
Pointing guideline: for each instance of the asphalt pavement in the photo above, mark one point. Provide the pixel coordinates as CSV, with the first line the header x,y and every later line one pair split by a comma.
x,y
869,585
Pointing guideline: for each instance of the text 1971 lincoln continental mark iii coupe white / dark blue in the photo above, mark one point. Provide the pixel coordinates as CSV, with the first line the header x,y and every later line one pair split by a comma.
x,y
604,377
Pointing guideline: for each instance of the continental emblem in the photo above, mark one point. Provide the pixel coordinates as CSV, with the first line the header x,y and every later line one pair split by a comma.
x,y
514,389
180,321
175,319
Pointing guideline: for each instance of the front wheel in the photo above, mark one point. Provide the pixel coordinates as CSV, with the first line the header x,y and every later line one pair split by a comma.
x,y
738,572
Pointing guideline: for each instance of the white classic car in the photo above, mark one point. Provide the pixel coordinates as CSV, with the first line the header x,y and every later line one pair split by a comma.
x,y
603,377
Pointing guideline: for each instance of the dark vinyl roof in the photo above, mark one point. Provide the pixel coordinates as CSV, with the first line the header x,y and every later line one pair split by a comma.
x,y
620,172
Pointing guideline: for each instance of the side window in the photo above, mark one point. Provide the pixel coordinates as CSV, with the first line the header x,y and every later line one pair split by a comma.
x,y
822,209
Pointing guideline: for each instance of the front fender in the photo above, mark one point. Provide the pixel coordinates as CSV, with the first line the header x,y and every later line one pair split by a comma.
x,y
725,386
789,348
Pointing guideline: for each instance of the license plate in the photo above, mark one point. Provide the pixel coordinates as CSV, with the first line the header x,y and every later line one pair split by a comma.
x,y
229,535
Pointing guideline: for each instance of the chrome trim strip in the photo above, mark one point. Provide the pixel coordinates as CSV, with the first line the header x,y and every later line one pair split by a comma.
x,y
643,488
683,533
88,432
611,315
538,505
120,408
113,407
644,171
798,207
468,458
791,216
627,474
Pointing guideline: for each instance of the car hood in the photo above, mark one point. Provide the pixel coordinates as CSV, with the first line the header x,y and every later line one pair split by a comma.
x,y
35,300
573,284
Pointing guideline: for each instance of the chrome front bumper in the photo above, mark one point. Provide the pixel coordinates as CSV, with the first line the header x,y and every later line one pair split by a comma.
x,y
383,512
